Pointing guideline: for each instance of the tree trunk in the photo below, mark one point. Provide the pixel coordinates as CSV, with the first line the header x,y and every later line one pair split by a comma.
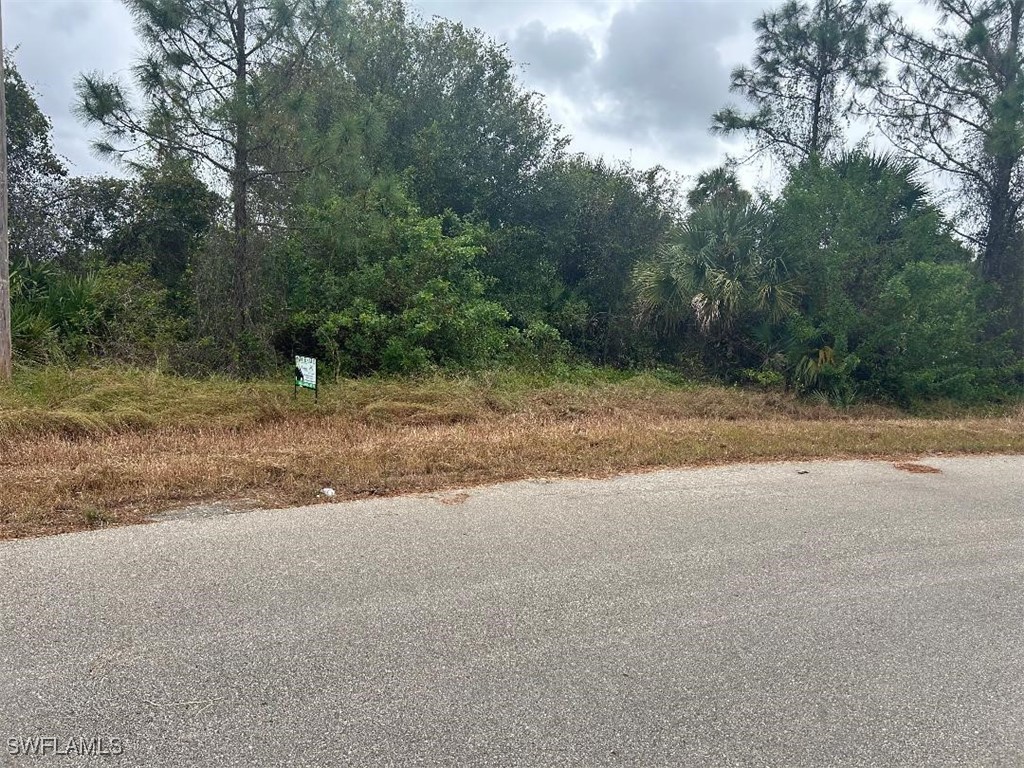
x,y
996,263
1002,260
813,150
242,268
820,78
5,277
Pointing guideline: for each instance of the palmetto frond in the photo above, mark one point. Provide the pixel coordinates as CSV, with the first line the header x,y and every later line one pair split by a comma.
x,y
661,292
718,270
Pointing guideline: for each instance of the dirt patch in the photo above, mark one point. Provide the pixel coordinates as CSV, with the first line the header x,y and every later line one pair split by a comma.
x,y
917,469
454,499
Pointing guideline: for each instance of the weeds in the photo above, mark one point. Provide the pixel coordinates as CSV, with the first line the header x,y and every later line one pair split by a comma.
x,y
88,448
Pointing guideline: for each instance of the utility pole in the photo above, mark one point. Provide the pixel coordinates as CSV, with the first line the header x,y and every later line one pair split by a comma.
x,y
5,270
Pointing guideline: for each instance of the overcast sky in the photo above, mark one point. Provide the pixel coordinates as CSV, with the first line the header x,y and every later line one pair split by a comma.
x,y
628,80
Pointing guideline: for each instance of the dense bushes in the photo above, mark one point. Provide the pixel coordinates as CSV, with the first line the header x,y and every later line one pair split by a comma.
x,y
889,299
408,295
848,285
928,339
116,311
429,217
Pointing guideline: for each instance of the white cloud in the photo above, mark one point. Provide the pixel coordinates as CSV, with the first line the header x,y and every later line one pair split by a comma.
x,y
54,42
628,80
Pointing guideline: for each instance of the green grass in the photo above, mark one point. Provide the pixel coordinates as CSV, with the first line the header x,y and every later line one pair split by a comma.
x,y
103,400
94,400
86,401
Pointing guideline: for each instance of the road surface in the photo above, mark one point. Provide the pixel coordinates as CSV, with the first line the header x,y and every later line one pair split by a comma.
x,y
792,614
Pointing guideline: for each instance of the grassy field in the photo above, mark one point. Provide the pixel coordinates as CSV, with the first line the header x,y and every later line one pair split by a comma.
x,y
96,447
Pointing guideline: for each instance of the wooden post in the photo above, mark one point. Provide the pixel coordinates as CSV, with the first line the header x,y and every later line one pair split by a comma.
x,y
5,274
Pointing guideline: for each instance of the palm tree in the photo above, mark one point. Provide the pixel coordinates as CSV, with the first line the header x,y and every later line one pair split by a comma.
x,y
720,185
661,295
719,271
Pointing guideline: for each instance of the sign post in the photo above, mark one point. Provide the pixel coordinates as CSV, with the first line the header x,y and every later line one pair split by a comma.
x,y
305,376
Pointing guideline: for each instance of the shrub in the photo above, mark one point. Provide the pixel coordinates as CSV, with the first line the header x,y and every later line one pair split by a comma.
x,y
115,311
927,339
412,298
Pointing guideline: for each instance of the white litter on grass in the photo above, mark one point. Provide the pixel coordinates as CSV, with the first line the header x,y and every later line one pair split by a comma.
x,y
328,492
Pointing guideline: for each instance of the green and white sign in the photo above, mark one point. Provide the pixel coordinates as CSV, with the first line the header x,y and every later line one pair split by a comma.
x,y
305,372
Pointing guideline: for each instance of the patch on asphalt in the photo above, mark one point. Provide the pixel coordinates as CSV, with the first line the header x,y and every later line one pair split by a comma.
x,y
199,511
917,469
453,499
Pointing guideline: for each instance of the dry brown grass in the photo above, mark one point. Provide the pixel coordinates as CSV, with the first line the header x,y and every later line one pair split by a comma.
x,y
80,471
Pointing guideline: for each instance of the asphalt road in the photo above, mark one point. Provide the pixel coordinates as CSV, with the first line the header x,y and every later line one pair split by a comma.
x,y
793,614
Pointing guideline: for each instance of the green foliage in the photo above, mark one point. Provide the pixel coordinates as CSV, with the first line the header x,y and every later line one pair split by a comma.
x,y
135,323
408,297
956,102
594,223
470,136
732,268
721,277
212,89
719,185
395,201
172,212
54,315
927,340
882,278
35,174
766,379
117,311
93,215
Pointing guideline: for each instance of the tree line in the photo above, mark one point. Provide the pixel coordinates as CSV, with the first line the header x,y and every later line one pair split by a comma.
x,y
347,180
